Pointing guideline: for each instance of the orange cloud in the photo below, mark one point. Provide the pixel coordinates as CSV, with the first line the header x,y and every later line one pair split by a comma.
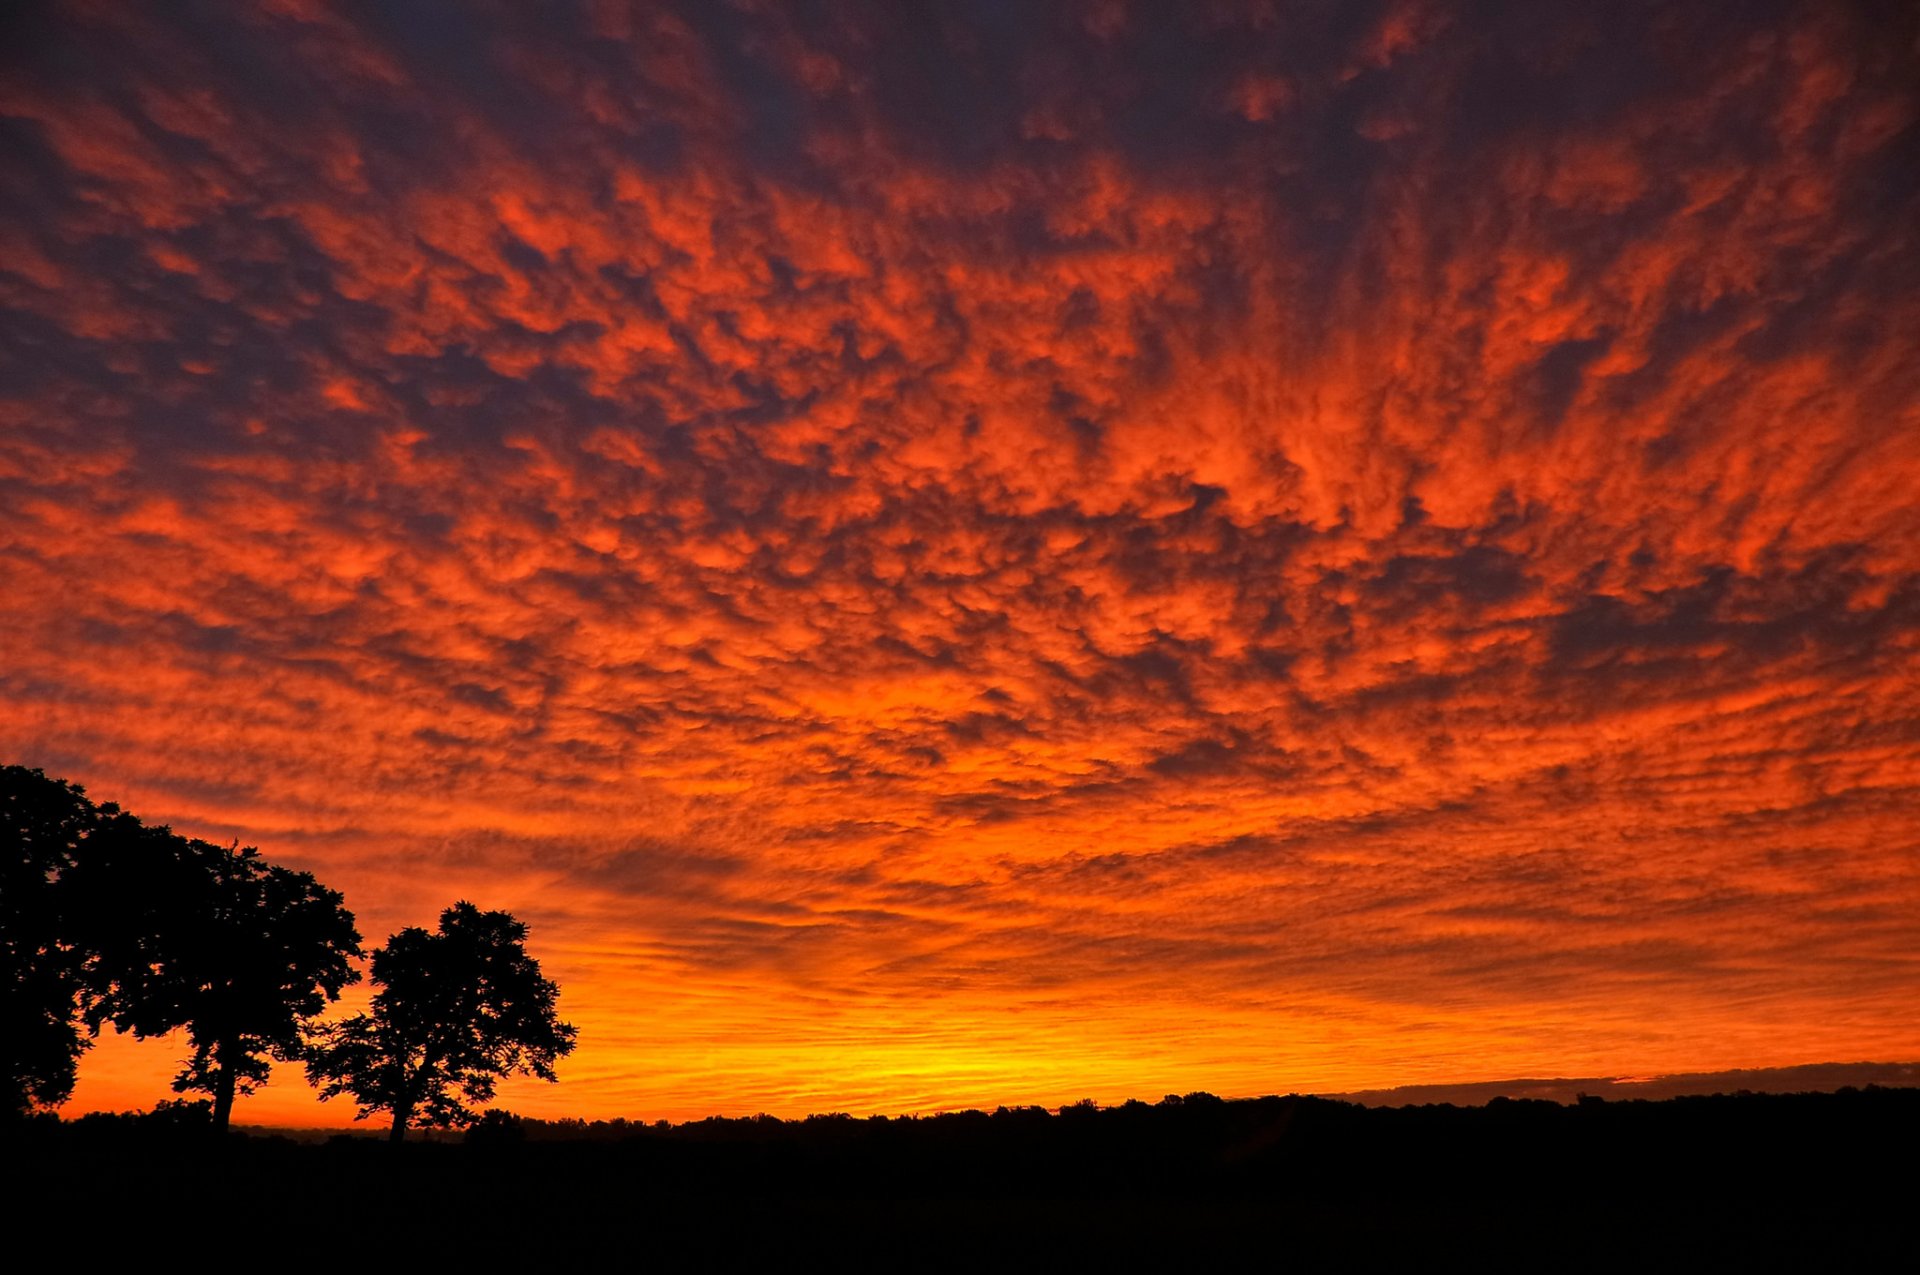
x,y
955,563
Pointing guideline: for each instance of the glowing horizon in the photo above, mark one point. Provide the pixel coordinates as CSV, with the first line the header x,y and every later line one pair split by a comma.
x,y
986,556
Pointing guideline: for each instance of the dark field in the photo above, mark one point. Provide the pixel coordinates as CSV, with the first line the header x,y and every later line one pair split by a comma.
x,y
1742,1182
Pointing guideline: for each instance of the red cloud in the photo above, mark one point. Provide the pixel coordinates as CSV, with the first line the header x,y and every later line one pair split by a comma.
x,y
952,566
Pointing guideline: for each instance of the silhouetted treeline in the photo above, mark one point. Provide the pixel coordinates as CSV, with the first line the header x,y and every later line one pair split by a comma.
x,y
106,919
1802,1181
1201,1143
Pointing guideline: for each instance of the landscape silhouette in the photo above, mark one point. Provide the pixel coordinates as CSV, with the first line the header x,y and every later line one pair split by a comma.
x,y
107,920
974,634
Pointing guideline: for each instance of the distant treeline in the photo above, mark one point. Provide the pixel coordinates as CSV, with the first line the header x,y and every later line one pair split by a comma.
x,y
1199,1141
1744,1181
1202,1142
107,919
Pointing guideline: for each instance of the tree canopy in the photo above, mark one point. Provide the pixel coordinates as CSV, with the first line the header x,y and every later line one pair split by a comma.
x,y
238,951
105,919
47,822
456,1010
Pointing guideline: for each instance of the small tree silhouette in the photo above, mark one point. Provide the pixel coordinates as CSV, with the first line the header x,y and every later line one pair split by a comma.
x,y
455,1012
236,950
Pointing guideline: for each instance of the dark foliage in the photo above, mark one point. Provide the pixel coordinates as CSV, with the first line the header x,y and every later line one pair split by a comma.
x,y
1744,1182
47,823
456,1011
109,920
238,951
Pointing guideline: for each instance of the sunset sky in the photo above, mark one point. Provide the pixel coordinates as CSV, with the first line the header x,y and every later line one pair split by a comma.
x,y
955,554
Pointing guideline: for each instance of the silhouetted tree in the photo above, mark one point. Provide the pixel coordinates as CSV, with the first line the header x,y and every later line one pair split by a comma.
x,y
456,1011
47,821
238,951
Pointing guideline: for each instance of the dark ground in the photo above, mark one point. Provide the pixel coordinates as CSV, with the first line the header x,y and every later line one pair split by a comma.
x,y
1817,1182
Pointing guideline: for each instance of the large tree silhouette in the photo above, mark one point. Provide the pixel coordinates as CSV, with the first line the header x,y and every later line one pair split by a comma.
x,y
47,824
456,1011
238,951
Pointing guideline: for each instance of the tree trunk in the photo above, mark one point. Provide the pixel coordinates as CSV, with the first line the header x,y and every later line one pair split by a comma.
x,y
407,1093
223,1091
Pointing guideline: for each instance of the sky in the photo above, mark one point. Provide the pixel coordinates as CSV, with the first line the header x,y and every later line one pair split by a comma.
x,y
954,554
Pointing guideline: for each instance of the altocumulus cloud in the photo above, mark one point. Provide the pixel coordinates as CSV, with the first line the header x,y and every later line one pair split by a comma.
x,y
957,554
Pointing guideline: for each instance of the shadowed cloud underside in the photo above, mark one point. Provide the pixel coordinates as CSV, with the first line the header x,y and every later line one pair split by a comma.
x,y
946,555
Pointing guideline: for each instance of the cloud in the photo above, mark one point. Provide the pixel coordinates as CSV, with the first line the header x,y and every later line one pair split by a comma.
x,y
949,553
